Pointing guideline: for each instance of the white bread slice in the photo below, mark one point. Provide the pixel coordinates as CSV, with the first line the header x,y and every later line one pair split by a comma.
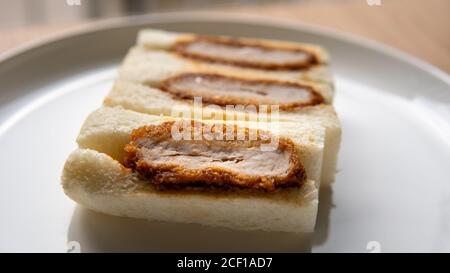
x,y
144,99
108,130
152,67
98,182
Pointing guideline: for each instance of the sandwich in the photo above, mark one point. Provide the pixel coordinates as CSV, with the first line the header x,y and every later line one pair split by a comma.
x,y
214,130
158,69
129,164
282,59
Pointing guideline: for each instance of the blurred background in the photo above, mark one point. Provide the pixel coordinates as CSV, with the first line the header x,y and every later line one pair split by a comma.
x,y
418,27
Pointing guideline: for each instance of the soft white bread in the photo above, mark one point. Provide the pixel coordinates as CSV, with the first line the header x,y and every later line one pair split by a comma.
x,y
326,116
108,130
144,99
97,181
153,67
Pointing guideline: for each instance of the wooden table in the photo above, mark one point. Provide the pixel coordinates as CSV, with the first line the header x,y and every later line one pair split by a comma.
x,y
418,27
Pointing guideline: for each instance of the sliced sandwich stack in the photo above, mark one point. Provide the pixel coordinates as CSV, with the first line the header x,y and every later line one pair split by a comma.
x,y
214,130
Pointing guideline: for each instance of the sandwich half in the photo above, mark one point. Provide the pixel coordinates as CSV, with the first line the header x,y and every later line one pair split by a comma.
x,y
160,69
131,164
279,58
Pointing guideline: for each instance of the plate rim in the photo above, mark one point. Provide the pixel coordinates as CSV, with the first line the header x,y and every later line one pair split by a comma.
x,y
126,21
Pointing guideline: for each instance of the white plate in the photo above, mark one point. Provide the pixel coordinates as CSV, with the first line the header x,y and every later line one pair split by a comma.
x,y
392,191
